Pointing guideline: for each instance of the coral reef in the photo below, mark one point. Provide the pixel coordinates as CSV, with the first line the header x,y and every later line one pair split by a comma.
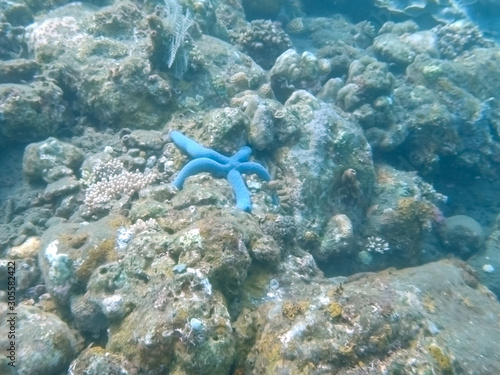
x,y
313,164
298,328
56,347
13,43
132,254
293,72
51,159
403,203
264,41
31,112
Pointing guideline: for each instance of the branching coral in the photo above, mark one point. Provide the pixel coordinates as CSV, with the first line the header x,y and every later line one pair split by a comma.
x,y
110,180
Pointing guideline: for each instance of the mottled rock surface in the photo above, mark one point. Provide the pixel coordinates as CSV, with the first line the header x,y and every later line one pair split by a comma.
x,y
377,322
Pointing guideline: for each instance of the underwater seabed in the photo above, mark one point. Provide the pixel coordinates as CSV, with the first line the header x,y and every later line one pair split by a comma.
x,y
247,187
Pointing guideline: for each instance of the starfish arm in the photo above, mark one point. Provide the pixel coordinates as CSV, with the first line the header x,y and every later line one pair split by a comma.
x,y
254,168
197,166
194,149
240,190
242,155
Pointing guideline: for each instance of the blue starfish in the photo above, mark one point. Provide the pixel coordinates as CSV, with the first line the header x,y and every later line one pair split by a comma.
x,y
231,168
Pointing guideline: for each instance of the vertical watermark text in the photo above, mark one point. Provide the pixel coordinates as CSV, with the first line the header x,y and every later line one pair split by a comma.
x,y
11,314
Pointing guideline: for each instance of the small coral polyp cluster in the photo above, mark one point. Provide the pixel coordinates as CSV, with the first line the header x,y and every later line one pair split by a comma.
x,y
111,181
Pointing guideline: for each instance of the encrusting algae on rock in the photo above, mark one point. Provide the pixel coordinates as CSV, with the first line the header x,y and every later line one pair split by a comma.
x,y
241,187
